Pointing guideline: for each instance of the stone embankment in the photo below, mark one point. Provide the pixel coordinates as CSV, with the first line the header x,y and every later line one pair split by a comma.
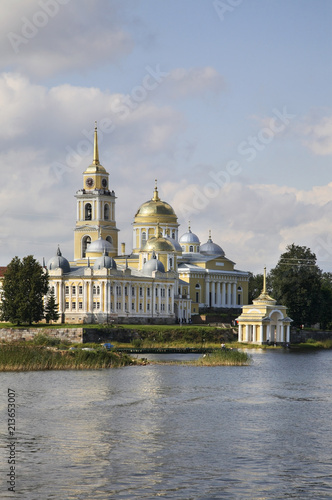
x,y
17,334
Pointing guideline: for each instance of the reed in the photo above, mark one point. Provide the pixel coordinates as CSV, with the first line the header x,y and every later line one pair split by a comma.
x,y
224,357
15,357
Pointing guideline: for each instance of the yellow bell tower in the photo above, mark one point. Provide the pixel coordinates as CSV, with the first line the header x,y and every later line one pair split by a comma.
x,y
95,209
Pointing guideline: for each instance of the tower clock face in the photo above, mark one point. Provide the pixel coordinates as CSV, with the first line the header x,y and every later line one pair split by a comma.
x,y
89,182
104,183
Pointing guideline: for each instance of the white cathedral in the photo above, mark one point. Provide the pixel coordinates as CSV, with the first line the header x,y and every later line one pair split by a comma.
x,y
165,279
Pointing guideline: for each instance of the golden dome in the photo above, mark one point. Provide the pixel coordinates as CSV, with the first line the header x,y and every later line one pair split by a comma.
x,y
157,209
158,245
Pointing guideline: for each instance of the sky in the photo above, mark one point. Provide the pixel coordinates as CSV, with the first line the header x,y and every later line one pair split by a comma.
x,y
227,103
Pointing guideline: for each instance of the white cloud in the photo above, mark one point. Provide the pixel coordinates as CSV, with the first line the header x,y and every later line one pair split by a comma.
x,y
44,37
317,134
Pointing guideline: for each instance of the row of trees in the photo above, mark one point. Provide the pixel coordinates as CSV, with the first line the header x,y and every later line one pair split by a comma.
x,y
24,287
298,283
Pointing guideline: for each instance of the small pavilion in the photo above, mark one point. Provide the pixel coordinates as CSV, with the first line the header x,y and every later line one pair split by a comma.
x,y
264,321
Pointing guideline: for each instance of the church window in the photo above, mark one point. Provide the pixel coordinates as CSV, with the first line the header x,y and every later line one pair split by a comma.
x,y
80,289
118,290
94,290
109,239
143,238
133,306
67,290
98,290
67,305
98,305
73,305
88,211
73,290
191,248
141,307
133,291
148,292
197,296
170,262
156,292
148,307
80,305
173,235
111,290
94,305
85,243
106,211
140,291
239,299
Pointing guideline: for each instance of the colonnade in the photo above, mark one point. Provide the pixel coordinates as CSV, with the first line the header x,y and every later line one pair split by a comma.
x,y
257,333
221,294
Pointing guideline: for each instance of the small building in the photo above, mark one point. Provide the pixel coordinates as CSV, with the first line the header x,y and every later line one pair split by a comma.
x,y
264,321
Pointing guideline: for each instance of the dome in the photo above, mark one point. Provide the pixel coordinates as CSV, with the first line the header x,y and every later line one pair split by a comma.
x,y
159,245
156,208
58,262
104,261
153,265
100,246
175,244
211,249
189,237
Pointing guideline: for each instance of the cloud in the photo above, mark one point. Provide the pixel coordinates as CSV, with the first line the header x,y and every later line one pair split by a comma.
x,y
254,223
317,134
45,37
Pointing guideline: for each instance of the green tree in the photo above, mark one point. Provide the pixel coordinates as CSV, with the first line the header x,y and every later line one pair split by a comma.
x,y
326,301
24,285
296,283
51,308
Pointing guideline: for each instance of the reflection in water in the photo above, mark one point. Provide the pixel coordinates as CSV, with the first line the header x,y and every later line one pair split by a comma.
x,y
262,431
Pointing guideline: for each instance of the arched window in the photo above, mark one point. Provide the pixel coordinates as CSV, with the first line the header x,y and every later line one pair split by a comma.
x,y
143,238
170,262
106,211
191,248
88,211
173,235
109,239
85,243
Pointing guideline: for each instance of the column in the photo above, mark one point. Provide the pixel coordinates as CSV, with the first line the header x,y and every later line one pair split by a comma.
x,y
223,294
218,294
261,332
234,294
213,294
240,333
254,328
268,332
247,333
288,334
207,294
229,294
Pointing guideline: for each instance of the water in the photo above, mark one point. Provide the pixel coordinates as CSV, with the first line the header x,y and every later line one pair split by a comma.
x,y
180,432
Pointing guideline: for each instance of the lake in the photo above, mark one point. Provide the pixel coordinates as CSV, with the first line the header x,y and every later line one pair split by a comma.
x,y
166,431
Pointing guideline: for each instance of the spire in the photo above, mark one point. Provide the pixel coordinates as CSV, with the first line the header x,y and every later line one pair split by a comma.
x,y
155,193
210,239
189,228
95,148
264,281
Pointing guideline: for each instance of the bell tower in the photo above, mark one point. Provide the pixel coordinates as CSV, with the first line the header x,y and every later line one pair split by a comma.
x,y
95,208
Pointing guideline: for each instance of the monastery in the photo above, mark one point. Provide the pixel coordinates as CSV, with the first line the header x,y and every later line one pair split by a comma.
x,y
165,279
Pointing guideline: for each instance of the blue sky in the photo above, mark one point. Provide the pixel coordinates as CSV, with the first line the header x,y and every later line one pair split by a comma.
x,y
227,103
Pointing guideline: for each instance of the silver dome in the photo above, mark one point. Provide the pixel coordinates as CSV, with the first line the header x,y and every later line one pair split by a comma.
x,y
100,246
153,265
211,249
104,261
189,237
58,262
175,244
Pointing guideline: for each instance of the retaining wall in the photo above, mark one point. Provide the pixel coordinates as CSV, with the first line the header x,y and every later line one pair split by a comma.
x,y
71,334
